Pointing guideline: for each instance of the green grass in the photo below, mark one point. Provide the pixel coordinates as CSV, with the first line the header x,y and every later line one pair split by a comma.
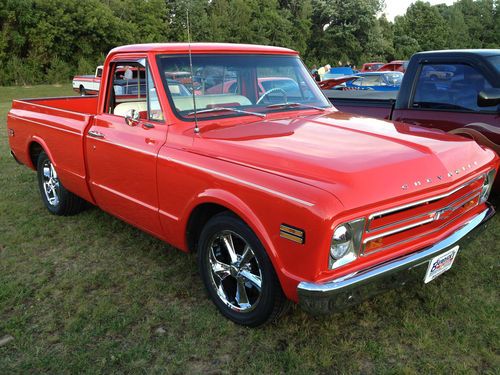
x,y
86,294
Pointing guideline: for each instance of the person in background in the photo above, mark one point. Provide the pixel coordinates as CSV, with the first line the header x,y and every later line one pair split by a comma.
x,y
128,73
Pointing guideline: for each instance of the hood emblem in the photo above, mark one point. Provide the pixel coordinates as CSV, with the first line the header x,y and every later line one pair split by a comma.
x,y
429,180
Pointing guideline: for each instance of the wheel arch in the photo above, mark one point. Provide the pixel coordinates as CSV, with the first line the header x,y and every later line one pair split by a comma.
x,y
215,201
35,146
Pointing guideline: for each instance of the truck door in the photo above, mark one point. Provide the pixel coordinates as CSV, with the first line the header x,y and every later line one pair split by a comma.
x,y
122,146
445,97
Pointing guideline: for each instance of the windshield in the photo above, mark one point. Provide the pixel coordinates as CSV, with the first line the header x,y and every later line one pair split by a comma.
x,y
247,83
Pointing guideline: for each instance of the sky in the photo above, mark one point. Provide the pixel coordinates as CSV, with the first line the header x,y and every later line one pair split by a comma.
x,y
395,8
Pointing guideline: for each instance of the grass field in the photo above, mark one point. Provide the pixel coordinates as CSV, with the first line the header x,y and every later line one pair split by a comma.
x,y
90,294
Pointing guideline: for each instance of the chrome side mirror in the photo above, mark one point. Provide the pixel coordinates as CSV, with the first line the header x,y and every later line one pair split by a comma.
x,y
132,117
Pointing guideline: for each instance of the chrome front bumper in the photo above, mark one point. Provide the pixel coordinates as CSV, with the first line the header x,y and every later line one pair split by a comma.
x,y
349,290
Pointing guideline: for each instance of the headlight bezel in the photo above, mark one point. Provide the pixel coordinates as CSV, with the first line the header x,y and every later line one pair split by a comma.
x,y
352,242
489,179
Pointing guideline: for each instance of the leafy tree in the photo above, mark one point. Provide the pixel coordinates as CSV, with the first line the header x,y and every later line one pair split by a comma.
x,y
422,23
458,34
50,40
479,16
340,29
379,46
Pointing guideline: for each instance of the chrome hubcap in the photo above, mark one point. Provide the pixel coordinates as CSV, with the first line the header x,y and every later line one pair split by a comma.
x,y
235,271
50,183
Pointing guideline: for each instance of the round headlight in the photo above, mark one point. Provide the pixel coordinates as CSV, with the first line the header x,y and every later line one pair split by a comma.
x,y
341,241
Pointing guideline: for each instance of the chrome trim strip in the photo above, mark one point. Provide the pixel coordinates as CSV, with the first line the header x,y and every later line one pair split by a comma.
x,y
324,297
70,131
248,183
397,230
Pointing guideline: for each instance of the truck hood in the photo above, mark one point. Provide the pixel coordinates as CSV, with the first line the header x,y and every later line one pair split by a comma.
x,y
360,160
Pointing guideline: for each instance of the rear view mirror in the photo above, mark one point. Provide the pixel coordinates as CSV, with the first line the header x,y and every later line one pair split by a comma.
x,y
488,97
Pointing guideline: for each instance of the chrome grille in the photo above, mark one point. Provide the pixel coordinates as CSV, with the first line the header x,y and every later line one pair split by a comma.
x,y
402,224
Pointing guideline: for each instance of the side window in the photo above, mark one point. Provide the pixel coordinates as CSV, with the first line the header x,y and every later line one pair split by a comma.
x,y
133,88
371,80
358,82
127,89
449,87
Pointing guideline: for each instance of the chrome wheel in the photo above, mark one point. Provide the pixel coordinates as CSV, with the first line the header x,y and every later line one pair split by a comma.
x,y
50,183
235,272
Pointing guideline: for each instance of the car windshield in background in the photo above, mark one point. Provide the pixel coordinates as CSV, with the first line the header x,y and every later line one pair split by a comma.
x,y
244,83
393,79
495,61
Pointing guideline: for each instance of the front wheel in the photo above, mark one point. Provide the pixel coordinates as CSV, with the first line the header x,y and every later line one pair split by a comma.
x,y
56,198
237,272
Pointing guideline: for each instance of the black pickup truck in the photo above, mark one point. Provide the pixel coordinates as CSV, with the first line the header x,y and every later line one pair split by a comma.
x,y
457,91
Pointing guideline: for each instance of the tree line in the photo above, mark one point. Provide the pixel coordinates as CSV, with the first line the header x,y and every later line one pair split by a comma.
x,y
48,41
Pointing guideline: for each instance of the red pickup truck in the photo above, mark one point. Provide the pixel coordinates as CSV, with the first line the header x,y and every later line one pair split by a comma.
x,y
282,196
455,91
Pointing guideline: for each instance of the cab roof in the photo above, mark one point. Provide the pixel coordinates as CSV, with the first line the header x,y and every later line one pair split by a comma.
x,y
197,48
479,52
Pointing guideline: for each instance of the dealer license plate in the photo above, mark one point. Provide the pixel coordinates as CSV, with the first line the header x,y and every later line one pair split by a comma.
x,y
440,264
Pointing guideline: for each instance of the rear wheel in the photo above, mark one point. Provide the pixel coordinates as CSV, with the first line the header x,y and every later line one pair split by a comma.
x,y
237,272
56,198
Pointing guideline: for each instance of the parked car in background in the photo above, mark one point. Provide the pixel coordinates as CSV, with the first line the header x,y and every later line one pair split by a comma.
x,y
439,72
371,67
182,77
455,91
288,85
394,66
373,81
281,196
338,72
88,84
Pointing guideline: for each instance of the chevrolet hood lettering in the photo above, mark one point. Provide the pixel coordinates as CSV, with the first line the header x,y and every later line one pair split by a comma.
x,y
429,180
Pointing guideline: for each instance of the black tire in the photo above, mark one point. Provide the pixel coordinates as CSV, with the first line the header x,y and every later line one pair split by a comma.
x,y
264,305
57,199
83,92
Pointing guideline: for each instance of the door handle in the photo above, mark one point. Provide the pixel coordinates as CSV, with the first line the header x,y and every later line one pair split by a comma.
x,y
95,134
148,125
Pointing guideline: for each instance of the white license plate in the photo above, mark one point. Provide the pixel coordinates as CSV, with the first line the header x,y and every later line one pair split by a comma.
x,y
440,264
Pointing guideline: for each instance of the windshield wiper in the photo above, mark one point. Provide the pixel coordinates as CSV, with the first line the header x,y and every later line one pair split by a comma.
x,y
218,109
291,105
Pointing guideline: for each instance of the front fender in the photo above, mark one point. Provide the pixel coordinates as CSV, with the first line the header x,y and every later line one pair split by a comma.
x,y
233,203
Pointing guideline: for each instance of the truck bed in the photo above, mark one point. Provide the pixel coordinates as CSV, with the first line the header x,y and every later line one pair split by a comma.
x,y
63,122
376,104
